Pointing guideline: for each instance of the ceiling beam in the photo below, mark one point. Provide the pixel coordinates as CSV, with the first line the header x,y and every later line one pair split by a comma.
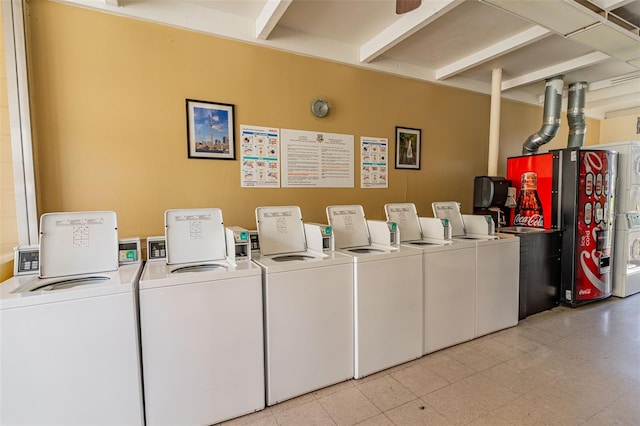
x,y
616,81
269,17
609,5
407,25
556,69
610,87
500,48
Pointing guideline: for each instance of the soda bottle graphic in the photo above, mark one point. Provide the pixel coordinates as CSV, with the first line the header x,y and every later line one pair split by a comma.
x,y
529,208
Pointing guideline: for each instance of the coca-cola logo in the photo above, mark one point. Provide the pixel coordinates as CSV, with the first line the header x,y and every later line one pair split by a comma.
x,y
584,292
593,162
534,221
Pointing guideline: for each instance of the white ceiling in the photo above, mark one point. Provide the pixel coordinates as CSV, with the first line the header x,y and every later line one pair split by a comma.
x,y
450,42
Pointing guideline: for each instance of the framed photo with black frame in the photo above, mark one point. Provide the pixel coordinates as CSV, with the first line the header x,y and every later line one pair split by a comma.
x,y
210,130
408,142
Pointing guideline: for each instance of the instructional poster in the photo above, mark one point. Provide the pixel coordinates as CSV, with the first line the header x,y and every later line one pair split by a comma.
x,y
260,157
374,156
317,159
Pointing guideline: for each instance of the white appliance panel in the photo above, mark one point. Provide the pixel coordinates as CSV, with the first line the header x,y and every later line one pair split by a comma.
x,y
449,296
308,329
195,235
349,226
405,216
202,348
626,264
78,243
634,166
280,230
450,210
388,312
497,284
71,360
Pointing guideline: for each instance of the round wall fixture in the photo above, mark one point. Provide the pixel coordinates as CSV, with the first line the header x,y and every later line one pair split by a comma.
x,y
320,107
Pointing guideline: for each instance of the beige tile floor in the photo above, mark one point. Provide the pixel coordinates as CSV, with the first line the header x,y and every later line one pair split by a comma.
x,y
560,367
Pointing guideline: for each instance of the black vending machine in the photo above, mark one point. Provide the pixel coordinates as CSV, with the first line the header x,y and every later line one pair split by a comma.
x,y
490,195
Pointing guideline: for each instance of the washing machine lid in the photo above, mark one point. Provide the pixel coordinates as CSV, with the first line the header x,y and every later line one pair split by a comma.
x,y
349,226
29,290
405,216
280,230
450,210
194,235
78,243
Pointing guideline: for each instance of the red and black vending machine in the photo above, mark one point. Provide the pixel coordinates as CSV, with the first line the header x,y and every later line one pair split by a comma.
x,y
575,188
583,207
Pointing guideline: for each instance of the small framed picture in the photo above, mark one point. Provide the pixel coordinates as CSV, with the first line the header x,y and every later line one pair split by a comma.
x,y
210,130
408,148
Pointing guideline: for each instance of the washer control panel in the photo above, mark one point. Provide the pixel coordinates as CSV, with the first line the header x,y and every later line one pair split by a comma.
x,y
156,248
129,250
26,260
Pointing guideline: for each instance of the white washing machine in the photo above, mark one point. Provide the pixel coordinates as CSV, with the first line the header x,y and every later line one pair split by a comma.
x,y
626,279
308,308
497,267
201,325
387,290
69,351
449,277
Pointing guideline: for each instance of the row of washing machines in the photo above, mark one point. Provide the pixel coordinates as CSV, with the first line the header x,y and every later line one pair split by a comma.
x,y
225,330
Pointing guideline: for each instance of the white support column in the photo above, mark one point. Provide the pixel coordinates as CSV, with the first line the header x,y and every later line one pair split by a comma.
x,y
20,121
494,121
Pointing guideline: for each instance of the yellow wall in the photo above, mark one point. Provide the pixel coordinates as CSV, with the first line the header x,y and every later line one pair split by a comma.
x,y
8,224
109,112
623,128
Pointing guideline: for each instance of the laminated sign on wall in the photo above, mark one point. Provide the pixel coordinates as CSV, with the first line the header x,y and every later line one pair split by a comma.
x,y
317,159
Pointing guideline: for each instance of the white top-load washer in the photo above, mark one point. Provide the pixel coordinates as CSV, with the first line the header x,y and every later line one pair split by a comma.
x,y
69,351
387,290
497,267
449,274
201,325
308,307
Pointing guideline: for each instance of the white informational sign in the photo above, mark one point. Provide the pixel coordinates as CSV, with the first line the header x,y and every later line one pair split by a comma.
x,y
374,155
317,159
259,157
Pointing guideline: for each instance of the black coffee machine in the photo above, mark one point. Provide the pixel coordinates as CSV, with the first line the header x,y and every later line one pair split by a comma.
x,y
491,197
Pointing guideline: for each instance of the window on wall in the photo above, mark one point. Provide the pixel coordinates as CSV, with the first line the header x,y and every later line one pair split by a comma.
x,y
8,219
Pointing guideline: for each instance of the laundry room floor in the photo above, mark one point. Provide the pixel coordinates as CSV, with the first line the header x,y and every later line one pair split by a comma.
x,y
566,366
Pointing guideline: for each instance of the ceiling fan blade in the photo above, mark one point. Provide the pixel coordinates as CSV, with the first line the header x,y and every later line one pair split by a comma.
x,y
404,6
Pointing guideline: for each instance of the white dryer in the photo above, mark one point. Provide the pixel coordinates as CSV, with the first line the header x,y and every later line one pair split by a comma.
x,y
497,267
69,351
308,308
387,291
201,326
449,277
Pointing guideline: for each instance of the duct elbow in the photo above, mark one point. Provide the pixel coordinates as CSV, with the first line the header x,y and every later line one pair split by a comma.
x,y
551,117
532,144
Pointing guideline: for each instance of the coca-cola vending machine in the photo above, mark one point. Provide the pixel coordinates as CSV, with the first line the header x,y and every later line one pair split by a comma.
x,y
583,207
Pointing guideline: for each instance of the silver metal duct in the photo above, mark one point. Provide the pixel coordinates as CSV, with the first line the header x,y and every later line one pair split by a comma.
x,y
550,118
575,114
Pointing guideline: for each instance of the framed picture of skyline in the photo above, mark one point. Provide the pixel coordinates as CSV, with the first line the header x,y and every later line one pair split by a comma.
x,y
408,148
210,130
